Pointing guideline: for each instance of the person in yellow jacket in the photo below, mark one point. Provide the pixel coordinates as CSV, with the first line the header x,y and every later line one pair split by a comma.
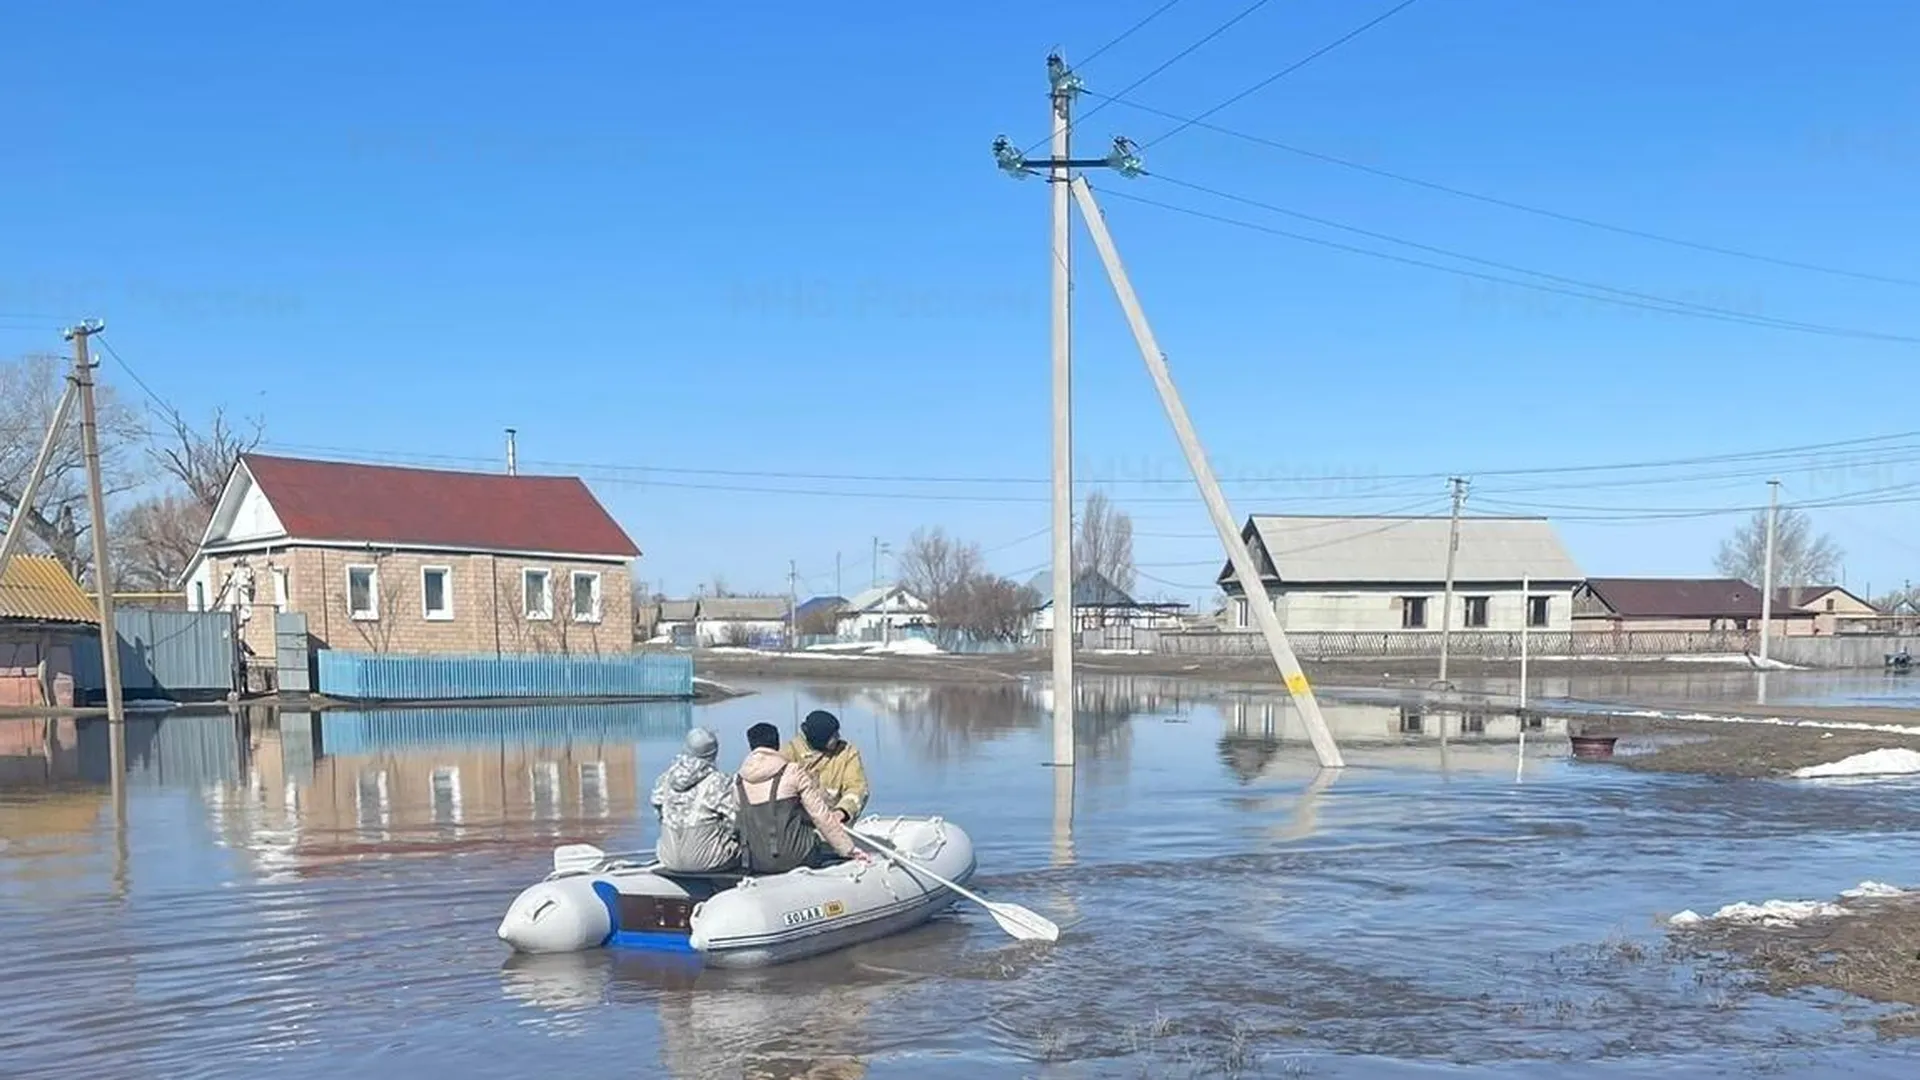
x,y
832,760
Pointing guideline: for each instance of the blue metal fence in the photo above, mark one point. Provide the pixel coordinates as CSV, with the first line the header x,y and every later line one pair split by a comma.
x,y
361,731
386,677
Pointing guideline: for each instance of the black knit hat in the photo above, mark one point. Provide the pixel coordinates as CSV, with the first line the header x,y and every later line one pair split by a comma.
x,y
820,728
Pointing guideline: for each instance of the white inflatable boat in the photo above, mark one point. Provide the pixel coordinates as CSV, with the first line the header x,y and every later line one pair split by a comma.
x,y
739,921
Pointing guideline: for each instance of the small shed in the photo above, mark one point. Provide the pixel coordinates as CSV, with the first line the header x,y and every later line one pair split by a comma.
x,y
44,617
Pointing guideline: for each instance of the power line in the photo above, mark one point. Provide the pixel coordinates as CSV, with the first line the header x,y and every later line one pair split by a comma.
x,y
1508,204
1670,307
1128,32
1278,75
1174,59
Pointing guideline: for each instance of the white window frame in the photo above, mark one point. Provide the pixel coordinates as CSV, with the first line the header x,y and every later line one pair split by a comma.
x,y
446,594
449,776
546,593
373,592
573,596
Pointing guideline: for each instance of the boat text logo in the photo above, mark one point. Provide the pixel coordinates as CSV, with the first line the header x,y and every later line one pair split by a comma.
x,y
828,910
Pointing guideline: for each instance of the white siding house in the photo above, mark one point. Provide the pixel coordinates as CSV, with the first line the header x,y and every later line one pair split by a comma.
x,y
1388,573
883,614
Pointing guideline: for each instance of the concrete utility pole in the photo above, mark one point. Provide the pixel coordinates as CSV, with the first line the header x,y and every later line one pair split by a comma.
x,y
1446,596
97,507
1063,85
1766,587
1238,554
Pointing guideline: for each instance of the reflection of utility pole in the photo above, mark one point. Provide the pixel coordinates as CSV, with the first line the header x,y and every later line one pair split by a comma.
x,y
1446,596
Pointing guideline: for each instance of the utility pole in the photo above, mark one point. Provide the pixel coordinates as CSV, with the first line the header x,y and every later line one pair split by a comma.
x,y
1058,167
1446,596
102,569
837,591
513,455
793,628
1766,587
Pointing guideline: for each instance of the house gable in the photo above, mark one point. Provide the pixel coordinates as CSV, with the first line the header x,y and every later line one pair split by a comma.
x,y
244,514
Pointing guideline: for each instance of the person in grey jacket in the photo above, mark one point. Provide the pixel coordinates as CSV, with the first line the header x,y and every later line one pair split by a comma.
x,y
697,804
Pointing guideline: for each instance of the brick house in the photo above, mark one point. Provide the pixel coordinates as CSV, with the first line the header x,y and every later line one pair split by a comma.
x,y
382,558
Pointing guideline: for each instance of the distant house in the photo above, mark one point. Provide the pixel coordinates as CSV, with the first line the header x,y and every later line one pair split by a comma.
x,y
1098,603
1831,606
883,614
1678,604
819,615
674,619
1389,573
382,558
44,617
757,621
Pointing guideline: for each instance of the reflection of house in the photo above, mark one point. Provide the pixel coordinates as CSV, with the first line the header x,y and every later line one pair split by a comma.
x,y
883,614
44,617
388,559
1097,603
1678,604
1389,573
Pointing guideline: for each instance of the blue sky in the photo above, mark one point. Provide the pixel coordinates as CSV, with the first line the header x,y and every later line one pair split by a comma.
x,y
755,239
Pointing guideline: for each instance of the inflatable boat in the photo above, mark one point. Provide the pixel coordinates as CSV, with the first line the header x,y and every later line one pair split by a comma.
x,y
735,920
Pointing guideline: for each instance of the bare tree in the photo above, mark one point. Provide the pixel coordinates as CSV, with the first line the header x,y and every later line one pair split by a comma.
x,y
57,523
934,565
202,458
1104,541
988,607
1800,557
153,542
821,621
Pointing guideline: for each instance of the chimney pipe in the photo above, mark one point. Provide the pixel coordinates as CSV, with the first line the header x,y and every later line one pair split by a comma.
x,y
513,460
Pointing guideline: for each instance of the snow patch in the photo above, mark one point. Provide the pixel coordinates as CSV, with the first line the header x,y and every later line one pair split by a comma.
x,y
911,647
1775,913
1874,890
1885,762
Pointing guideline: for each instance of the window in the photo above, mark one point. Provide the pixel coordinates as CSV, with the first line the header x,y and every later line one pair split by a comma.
x,y
363,592
282,589
586,596
1413,612
436,592
1474,724
1412,722
1538,607
1476,611
1240,612
536,588
1829,604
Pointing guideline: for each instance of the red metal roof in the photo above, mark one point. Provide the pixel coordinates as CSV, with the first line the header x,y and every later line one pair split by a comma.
x,y
389,504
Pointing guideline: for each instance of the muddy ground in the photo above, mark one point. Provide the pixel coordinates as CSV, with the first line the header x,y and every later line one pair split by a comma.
x,y
1872,952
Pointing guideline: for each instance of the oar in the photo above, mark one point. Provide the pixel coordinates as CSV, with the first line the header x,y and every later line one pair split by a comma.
x,y
1014,919
575,858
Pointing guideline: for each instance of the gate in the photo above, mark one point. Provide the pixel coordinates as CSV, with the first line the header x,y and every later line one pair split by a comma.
x,y
171,654
292,653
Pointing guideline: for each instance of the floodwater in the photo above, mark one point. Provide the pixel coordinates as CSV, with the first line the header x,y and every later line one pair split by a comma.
x,y
297,895
1717,687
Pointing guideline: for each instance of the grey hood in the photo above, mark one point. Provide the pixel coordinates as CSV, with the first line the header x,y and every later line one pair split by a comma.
x,y
686,772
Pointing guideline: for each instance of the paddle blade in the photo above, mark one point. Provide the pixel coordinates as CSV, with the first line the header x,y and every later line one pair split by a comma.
x,y
568,858
1023,924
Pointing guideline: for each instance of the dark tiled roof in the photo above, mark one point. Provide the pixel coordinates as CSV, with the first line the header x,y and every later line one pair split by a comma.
x,y
387,504
1677,598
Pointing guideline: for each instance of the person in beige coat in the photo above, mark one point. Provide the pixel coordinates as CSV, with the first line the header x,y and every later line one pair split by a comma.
x,y
783,816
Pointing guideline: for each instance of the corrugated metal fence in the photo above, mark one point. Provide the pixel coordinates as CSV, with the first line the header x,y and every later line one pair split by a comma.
x,y
174,654
1496,644
387,677
356,731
